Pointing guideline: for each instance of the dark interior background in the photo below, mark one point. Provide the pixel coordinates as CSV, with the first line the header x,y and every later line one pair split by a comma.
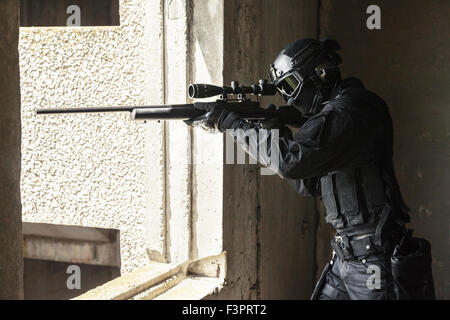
x,y
407,63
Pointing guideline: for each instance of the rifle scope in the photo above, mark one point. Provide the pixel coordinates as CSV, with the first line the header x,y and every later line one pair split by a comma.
x,y
262,88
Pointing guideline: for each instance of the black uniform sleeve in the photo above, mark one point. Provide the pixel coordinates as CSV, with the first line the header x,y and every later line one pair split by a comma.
x,y
331,140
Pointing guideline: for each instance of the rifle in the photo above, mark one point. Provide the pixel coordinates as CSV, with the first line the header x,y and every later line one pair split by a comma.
x,y
241,105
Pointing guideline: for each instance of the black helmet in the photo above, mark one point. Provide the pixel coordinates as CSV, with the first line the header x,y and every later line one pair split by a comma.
x,y
305,72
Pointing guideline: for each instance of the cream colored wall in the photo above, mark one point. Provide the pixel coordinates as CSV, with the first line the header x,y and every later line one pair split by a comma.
x,y
90,170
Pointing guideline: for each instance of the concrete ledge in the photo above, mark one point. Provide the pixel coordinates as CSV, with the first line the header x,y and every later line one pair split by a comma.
x,y
73,244
193,288
187,280
160,288
69,232
133,283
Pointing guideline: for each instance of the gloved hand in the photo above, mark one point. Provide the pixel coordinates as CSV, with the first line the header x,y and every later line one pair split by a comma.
x,y
272,123
216,117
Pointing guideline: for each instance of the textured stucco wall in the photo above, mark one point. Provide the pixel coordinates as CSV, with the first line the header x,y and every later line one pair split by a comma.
x,y
11,261
90,170
407,63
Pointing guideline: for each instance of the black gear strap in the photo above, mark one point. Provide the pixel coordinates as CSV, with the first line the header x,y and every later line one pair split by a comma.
x,y
350,248
381,223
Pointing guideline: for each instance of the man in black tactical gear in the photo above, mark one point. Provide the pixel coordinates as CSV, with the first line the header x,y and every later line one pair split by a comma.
x,y
343,152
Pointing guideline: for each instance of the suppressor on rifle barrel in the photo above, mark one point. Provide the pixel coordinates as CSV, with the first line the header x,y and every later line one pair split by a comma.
x,y
182,112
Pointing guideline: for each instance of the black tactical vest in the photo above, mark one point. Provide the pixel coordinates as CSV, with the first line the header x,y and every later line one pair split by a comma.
x,y
365,198
354,198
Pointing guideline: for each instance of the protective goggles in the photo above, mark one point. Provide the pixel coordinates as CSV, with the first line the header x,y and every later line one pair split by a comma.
x,y
289,84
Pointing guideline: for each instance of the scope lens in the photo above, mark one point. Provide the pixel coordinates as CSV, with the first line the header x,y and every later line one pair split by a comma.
x,y
191,91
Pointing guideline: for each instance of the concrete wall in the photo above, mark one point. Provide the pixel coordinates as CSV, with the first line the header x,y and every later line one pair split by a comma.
x,y
407,63
287,220
206,56
269,231
75,171
90,170
11,263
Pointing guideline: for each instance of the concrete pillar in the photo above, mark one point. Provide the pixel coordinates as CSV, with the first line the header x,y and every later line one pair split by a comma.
x,y
269,230
11,256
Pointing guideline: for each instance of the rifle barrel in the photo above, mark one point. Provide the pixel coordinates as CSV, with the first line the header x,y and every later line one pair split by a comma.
x,y
247,110
84,110
102,109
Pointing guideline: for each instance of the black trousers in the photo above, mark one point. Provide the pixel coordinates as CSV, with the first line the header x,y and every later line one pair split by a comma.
x,y
363,279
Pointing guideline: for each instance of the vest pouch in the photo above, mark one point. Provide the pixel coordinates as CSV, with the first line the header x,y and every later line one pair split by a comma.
x,y
348,197
374,189
411,269
329,201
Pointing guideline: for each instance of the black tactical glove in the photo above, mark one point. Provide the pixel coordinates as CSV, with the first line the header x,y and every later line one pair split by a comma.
x,y
216,117
272,123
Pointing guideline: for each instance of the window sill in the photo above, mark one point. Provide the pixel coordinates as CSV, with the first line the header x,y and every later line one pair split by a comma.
x,y
193,288
190,280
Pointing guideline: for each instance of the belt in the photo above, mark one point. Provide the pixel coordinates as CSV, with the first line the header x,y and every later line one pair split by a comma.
x,y
350,248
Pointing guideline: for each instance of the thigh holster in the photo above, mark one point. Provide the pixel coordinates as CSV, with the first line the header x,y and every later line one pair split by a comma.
x,y
411,269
